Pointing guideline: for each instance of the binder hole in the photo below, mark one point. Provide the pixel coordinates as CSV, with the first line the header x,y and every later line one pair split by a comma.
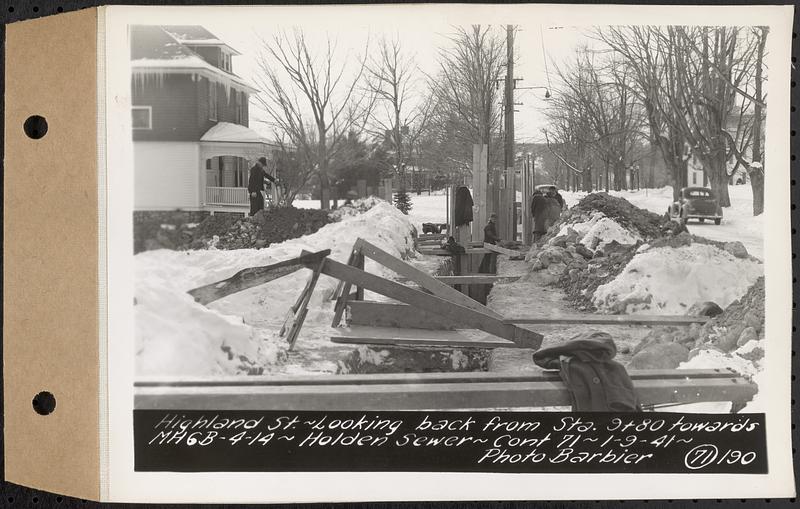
x,y
35,8
44,403
59,9
35,127
10,8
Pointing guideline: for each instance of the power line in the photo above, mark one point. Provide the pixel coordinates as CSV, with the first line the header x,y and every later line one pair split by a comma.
x,y
544,55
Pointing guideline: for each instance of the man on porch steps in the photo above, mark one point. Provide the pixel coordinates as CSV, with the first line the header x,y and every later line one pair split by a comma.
x,y
255,185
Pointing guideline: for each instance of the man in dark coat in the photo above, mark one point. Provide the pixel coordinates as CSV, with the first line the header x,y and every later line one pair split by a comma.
x,y
559,199
555,204
255,185
490,230
539,211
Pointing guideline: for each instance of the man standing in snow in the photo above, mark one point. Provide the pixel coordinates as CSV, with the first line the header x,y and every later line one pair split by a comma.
x,y
556,205
255,185
559,198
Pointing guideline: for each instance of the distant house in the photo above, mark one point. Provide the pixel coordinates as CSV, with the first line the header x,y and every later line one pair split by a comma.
x,y
737,173
192,144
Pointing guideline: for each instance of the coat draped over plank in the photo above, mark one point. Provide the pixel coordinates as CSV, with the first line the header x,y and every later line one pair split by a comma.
x,y
463,207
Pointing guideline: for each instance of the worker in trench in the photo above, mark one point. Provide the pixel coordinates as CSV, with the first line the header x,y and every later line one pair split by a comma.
x,y
490,236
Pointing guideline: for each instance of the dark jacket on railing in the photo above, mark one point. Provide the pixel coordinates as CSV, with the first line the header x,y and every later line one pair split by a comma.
x,y
596,383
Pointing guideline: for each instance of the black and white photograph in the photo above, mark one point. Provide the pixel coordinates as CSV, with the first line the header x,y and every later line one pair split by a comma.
x,y
408,243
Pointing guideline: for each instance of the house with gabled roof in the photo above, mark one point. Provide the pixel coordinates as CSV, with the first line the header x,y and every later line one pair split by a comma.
x,y
193,146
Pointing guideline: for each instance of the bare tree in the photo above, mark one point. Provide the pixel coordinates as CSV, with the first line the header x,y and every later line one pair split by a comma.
x,y
399,115
650,66
466,85
293,173
753,136
594,109
692,81
311,100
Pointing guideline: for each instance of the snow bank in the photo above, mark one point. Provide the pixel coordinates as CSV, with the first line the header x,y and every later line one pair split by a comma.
x,y
357,207
669,280
599,231
747,360
237,334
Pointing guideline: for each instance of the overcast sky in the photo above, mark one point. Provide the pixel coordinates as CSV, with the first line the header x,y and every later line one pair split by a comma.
x,y
422,33
423,42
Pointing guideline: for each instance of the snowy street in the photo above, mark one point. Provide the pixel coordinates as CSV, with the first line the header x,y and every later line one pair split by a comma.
x,y
738,223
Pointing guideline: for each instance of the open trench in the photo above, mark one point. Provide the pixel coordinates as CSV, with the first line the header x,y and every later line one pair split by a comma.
x,y
316,354
529,297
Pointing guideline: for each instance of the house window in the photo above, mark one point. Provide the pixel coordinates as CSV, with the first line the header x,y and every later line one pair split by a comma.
x,y
694,177
142,117
239,175
212,100
242,107
240,100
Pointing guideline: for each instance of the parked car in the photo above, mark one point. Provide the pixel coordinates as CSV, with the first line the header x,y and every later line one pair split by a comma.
x,y
695,203
545,188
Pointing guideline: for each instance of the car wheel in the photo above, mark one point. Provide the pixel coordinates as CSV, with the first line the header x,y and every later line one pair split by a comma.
x,y
702,220
717,221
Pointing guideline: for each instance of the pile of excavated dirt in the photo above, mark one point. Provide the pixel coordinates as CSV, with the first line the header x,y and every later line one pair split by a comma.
x,y
269,226
591,243
165,229
370,360
736,334
647,224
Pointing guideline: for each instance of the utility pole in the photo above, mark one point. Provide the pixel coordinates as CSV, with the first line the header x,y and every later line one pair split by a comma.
x,y
506,211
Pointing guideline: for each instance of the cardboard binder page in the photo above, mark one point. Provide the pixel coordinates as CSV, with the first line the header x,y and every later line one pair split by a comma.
x,y
448,253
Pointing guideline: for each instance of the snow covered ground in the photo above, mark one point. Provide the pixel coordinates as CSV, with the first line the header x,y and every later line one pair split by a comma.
x,y
238,334
424,209
670,280
738,223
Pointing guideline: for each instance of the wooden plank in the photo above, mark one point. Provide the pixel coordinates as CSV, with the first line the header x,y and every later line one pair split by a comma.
x,y
359,264
423,279
342,293
290,316
445,252
427,378
422,396
476,279
611,319
341,304
302,311
501,250
431,236
390,314
367,335
254,276
340,287
470,318
424,342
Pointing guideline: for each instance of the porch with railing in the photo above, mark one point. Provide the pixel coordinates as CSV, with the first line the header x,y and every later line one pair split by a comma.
x,y
234,198
227,196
